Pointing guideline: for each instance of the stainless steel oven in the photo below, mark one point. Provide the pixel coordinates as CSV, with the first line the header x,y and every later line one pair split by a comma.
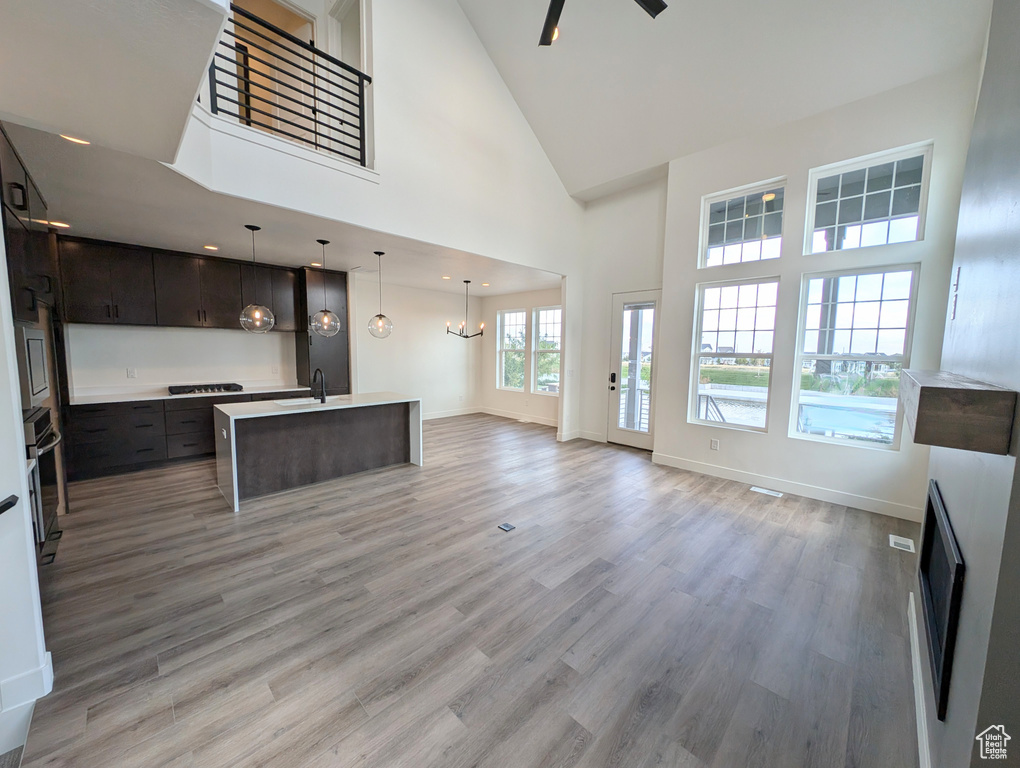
x,y
41,439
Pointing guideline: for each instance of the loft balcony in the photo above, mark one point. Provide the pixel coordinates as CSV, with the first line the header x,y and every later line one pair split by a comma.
x,y
270,80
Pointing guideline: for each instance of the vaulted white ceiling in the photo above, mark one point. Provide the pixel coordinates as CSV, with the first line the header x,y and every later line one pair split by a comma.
x,y
620,93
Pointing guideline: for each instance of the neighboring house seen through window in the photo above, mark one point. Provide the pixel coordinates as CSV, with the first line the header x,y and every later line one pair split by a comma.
x,y
548,329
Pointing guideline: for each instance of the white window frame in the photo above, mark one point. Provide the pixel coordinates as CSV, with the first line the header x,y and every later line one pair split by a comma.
x,y
535,351
716,197
799,356
847,166
500,349
696,354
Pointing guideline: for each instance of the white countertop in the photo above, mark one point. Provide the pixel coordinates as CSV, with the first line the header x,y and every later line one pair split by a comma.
x,y
270,408
136,395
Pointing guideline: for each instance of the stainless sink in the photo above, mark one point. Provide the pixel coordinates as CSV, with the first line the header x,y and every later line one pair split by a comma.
x,y
296,401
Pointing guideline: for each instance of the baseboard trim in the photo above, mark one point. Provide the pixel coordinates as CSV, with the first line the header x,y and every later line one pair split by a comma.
x,y
27,687
878,506
597,437
520,416
14,725
448,414
920,708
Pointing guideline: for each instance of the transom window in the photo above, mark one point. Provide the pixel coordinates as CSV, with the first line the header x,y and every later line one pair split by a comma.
x,y
548,325
512,329
748,227
876,204
736,329
854,341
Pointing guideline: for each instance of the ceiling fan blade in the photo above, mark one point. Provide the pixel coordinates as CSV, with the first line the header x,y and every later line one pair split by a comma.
x,y
552,20
652,7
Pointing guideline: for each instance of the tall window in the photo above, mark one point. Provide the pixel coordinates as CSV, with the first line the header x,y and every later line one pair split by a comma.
x,y
512,348
548,330
742,227
854,341
736,325
867,203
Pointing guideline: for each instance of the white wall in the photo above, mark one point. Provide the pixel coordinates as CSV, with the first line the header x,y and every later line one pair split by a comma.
x,y
623,246
527,405
891,482
26,671
99,356
419,358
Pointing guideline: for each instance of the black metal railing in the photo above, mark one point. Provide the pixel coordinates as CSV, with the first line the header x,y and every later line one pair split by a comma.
x,y
269,79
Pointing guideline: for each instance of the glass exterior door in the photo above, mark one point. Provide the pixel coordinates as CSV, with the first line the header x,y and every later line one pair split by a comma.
x,y
630,378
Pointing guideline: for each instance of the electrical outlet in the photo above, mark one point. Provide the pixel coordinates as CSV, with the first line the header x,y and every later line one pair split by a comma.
x,y
527,402
714,445
276,369
461,398
132,373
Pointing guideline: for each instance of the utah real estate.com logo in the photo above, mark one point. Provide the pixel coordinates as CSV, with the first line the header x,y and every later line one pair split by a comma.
x,y
993,742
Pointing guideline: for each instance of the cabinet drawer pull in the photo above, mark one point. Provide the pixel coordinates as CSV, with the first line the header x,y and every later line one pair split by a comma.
x,y
189,421
97,430
141,407
144,426
190,445
144,450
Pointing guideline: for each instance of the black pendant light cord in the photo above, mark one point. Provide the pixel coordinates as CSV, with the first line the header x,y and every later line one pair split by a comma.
x,y
254,279
379,255
323,243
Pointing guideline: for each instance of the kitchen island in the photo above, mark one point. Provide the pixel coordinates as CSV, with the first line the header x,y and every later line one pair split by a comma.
x,y
275,445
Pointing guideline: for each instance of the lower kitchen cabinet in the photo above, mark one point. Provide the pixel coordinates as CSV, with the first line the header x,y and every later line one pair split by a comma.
x,y
113,438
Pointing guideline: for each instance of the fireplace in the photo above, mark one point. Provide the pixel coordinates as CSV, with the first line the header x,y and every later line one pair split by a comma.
x,y
940,573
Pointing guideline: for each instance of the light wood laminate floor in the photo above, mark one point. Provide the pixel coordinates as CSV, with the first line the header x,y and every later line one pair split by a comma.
x,y
638,616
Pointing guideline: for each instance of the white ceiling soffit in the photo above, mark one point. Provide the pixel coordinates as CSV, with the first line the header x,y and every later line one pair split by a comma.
x,y
122,74
620,93
115,196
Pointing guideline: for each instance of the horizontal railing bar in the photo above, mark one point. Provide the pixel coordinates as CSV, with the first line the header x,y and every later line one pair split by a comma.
x,y
234,63
280,132
310,118
294,63
299,42
270,115
259,59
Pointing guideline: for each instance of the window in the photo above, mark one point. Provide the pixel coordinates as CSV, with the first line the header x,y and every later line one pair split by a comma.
x,y
745,227
871,202
547,333
513,330
854,340
736,324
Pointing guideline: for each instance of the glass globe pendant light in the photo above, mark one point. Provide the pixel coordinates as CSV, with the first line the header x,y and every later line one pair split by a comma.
x,y
256,318
380,326
324,322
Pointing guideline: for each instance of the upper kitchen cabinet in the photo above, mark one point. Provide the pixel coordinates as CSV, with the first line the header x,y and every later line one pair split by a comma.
x,y
105,283
196,292
273,288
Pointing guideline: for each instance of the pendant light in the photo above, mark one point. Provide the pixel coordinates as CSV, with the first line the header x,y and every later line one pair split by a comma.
x,y
462,328
256,318
380,326
324,322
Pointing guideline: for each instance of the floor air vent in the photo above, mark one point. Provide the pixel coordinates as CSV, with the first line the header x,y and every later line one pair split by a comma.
x,y
766,491
899,542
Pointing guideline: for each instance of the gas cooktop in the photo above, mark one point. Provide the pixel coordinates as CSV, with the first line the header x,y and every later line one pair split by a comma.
x,y
197,389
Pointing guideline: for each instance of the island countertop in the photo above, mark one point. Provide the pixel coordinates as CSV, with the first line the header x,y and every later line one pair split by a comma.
x,y
333,402
363,431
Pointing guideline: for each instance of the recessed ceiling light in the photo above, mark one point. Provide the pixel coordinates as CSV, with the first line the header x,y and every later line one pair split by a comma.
x,y
446,277
211,247
485,285
59,224
316,263
768,197
73,140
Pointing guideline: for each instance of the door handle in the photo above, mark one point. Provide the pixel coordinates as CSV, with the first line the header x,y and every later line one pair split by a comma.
x,y
612,389
612,377
116,310
8,503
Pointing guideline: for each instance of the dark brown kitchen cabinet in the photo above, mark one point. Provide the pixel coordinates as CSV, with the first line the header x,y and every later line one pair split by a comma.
x,y
330,355
105,283
197,293
274,288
